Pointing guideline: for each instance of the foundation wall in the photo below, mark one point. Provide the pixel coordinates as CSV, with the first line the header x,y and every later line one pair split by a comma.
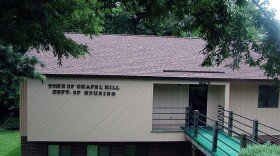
x,y
184,148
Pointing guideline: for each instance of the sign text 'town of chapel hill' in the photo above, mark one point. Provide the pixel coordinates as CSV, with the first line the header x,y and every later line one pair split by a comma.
x,y
82,89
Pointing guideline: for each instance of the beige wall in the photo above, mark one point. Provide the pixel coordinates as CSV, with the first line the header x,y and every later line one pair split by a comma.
x,y
244,101
126,116
89,118
177,97
169,98
215,98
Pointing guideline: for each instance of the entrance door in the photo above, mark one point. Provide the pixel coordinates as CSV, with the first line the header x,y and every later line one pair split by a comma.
x,y
198,100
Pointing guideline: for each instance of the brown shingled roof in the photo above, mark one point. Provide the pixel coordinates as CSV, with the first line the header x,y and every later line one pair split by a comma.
x,y
145,56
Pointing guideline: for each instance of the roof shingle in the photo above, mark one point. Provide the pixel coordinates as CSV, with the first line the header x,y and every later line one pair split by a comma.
x,y
149,56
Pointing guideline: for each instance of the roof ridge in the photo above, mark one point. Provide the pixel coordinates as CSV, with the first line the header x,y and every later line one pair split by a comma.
x,y
105,34
152,36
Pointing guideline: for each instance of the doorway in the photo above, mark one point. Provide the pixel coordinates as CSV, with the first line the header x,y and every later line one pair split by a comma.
x,y
198,100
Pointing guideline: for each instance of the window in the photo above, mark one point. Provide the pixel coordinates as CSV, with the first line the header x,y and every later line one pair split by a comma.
x,y
133,150
268,96
142,150
104,150
92,150
130,150
59,150
98,150
53,150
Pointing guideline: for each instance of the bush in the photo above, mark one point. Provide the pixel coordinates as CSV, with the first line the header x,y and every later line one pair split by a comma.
x,y
11,124
261,150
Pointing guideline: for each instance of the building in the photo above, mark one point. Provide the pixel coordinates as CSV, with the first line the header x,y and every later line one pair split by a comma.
x,y
128,97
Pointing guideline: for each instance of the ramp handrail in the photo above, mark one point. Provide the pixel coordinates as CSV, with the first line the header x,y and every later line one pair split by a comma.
x,y
228,121
256,130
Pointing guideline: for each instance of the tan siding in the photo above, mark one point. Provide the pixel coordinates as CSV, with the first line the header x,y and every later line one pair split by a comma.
x,y
215,97
127,116
23,108
177,96
244,101
87,118
171,98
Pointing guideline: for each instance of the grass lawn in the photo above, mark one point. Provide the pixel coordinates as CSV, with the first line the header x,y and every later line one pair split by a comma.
x,y
9,143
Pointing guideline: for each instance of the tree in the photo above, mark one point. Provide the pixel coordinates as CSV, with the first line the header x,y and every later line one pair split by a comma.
x,y
230,28
121,19
29,24
42,24
14,67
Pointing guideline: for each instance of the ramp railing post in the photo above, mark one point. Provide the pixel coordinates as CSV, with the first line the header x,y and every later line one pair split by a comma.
x,y
221,116
255,130
215,136
195,121
187,118
194,149
243,141
230,123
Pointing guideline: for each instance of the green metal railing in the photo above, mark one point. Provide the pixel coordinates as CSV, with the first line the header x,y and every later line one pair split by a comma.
x,y
192,121
168,118
230,125
256,131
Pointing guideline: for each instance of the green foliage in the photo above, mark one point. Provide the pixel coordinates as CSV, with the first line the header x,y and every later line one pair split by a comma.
x,y
128,19
15,64
42,24
11,123
230,29
14,67
32,24
261,150
120,21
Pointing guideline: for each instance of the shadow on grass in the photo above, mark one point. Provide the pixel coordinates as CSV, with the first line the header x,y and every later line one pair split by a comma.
x,y
15,152
9,143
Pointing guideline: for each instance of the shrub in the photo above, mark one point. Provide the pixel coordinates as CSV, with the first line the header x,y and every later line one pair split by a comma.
x,y
11,123
261,150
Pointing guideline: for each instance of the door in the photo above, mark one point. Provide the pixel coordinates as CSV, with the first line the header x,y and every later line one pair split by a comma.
x,y
198,100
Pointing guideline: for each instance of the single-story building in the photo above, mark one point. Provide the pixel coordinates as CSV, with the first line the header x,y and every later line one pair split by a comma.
x,y
128,97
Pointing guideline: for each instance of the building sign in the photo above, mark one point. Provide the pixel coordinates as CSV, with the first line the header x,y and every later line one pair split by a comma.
x,y
83,89
204,82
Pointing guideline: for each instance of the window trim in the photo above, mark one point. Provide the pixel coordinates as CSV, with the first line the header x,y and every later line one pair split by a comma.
x,y
59,148
98,148
137,148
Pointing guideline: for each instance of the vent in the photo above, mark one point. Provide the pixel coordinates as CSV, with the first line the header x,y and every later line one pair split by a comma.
x,y
193,71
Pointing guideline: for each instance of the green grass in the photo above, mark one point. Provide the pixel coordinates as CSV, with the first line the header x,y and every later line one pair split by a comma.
x,y
9,143
261,150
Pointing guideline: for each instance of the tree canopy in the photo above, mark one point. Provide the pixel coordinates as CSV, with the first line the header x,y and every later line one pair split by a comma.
x,y
29,24
232,29
41,24
13,68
